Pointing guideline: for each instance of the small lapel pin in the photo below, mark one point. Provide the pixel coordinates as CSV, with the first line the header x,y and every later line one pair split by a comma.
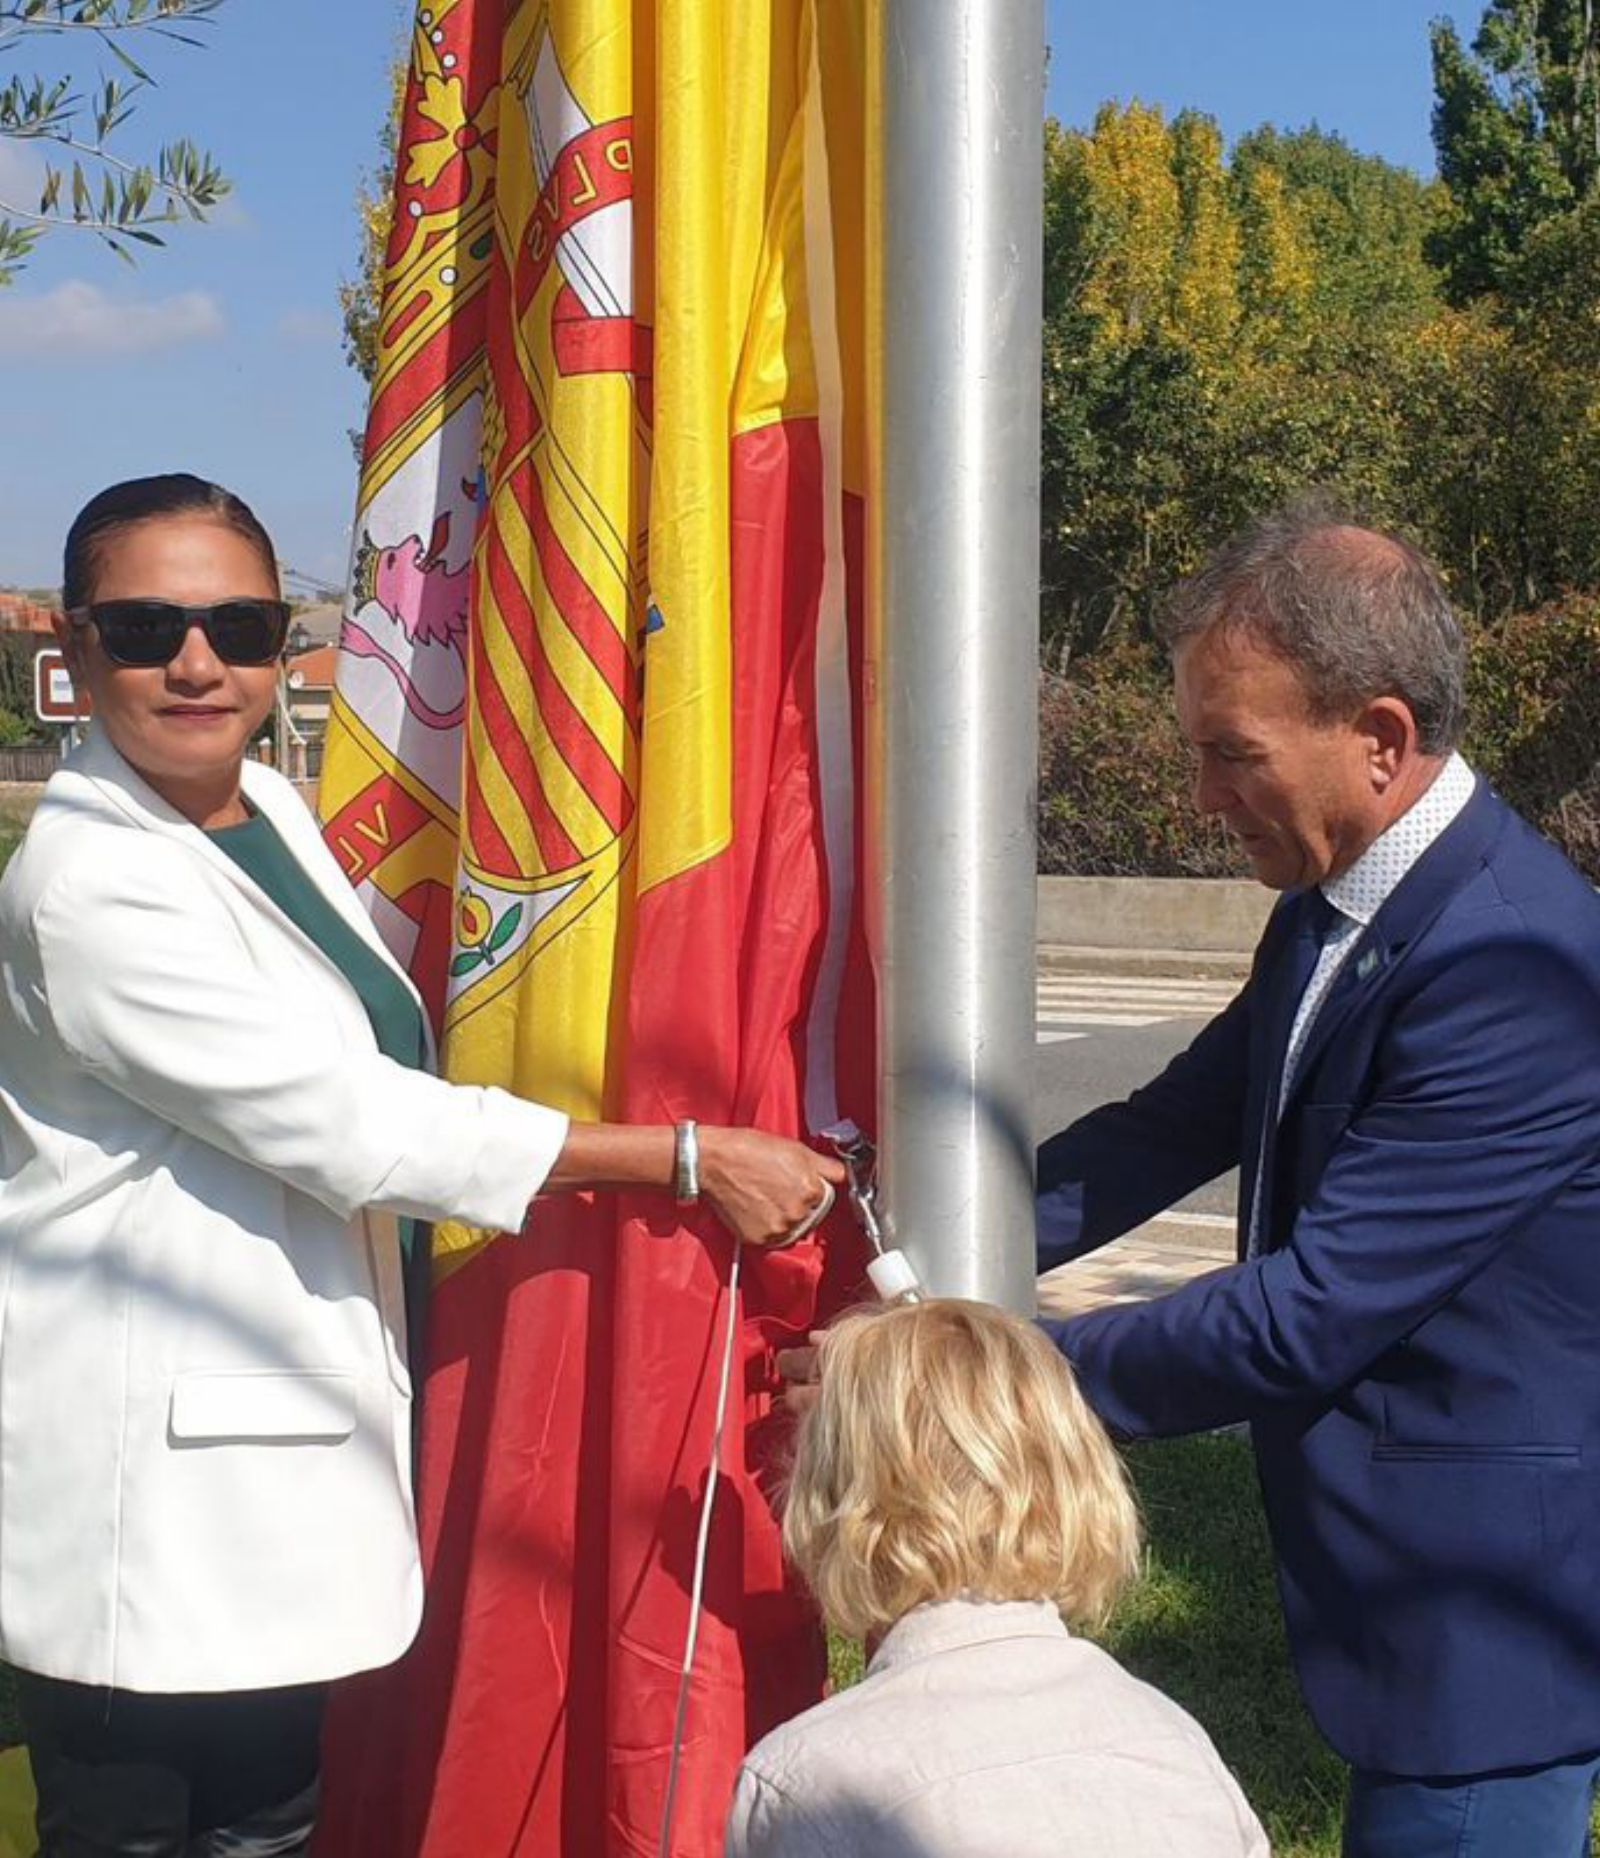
x,y
1367,966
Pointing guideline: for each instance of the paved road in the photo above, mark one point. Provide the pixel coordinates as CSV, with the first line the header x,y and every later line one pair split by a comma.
x,y
1101,1035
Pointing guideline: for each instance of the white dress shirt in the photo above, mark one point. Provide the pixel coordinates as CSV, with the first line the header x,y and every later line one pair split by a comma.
x,y
1357,895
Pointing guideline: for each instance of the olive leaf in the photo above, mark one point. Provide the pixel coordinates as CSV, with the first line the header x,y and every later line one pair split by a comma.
x,y
505,929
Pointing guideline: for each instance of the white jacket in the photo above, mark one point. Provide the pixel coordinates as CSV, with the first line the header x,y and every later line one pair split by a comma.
x,y
204,1406
988,1731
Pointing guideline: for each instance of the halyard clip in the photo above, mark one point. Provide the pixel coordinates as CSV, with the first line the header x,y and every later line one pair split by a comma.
x,y
890,1269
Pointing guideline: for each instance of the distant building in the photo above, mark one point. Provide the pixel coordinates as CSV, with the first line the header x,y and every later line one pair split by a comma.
x,y
316,625
303,708
20,614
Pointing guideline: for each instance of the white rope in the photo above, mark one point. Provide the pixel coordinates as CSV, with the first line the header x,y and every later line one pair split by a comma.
x,y
701,1553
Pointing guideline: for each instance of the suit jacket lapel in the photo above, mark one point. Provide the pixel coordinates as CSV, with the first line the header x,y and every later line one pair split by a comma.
x,y
1283,974
1364,968
1409,910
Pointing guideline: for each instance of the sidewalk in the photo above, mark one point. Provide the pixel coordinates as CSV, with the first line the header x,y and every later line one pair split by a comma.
x,y
1177,963
1149,1262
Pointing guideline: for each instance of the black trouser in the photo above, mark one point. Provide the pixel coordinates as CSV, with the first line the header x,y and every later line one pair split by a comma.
x,y
124,1774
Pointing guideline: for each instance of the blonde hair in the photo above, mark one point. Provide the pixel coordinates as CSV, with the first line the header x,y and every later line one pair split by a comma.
x,y
950,1453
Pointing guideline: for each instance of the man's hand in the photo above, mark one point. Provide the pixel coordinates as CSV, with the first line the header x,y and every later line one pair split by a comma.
x,y
798,1367
763,1187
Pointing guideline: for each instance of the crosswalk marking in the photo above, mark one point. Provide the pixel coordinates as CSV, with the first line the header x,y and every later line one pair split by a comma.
x,y
1066,1001
1097,987
1069,1015
1207,1222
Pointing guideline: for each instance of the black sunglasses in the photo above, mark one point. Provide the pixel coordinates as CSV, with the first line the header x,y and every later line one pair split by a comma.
x,y
151,632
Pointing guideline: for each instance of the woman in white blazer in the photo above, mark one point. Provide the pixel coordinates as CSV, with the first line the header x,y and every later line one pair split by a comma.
x,y
952,1498
215,1118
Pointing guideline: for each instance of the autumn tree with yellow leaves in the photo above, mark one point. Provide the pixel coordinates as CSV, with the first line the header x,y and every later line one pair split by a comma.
x,y
1227,328
1209,322
361,297
1223,330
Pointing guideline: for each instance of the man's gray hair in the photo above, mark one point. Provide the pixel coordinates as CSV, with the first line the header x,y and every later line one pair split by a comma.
x,y
1357,612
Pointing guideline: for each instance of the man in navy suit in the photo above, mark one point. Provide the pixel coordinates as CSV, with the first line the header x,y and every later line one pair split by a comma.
x,y
1410,1085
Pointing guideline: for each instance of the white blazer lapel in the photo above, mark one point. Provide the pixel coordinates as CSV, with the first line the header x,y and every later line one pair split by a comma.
x,y
128,793
118,784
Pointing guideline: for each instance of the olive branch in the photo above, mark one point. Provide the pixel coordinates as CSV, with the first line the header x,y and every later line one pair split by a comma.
x,y
87,186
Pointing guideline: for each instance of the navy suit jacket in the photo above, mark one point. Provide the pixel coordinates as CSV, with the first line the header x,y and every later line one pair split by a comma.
x,y
1417,1347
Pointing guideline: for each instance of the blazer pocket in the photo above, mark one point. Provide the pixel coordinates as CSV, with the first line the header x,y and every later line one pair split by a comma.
x,y
314,1407
1396,1453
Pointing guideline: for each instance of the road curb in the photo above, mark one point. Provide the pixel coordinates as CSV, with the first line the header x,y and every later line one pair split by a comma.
x,y
1178,963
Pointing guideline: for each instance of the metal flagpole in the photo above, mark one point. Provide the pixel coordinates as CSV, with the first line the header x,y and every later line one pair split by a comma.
x,y
955,243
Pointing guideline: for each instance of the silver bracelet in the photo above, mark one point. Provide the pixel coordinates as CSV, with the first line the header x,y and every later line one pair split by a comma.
x,y
686,1163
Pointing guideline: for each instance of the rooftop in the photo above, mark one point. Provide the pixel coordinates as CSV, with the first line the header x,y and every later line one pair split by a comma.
x,y
313,670
20,614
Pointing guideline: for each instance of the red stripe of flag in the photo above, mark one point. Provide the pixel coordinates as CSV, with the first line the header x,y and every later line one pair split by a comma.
x,y
507,737
588,621
570,730
486,843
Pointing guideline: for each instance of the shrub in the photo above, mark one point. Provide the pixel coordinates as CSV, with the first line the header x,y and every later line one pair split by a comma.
x,y
1115,775
1534,705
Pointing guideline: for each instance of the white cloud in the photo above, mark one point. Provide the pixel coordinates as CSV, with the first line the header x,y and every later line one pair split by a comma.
x,y
308,328
230,214
78,319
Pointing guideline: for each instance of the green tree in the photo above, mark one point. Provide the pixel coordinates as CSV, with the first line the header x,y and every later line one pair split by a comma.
x,y
1365,221
1551,295
17,650
1217,336
1516,126
87,185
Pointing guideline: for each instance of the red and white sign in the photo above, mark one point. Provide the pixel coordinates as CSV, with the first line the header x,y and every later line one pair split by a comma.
x,y
55,700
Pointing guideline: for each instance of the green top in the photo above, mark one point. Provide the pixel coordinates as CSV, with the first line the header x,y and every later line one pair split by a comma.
x,y
396,1018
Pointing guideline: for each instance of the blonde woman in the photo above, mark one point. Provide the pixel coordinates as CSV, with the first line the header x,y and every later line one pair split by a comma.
x,y
954,1501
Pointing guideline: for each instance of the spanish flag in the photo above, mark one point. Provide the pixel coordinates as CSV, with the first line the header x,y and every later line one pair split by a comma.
x,y
593,766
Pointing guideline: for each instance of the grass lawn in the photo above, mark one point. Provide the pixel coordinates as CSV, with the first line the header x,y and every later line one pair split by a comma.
x,y
1205,1627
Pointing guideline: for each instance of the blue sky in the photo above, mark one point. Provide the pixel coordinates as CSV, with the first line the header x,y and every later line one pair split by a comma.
x,y
221,354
